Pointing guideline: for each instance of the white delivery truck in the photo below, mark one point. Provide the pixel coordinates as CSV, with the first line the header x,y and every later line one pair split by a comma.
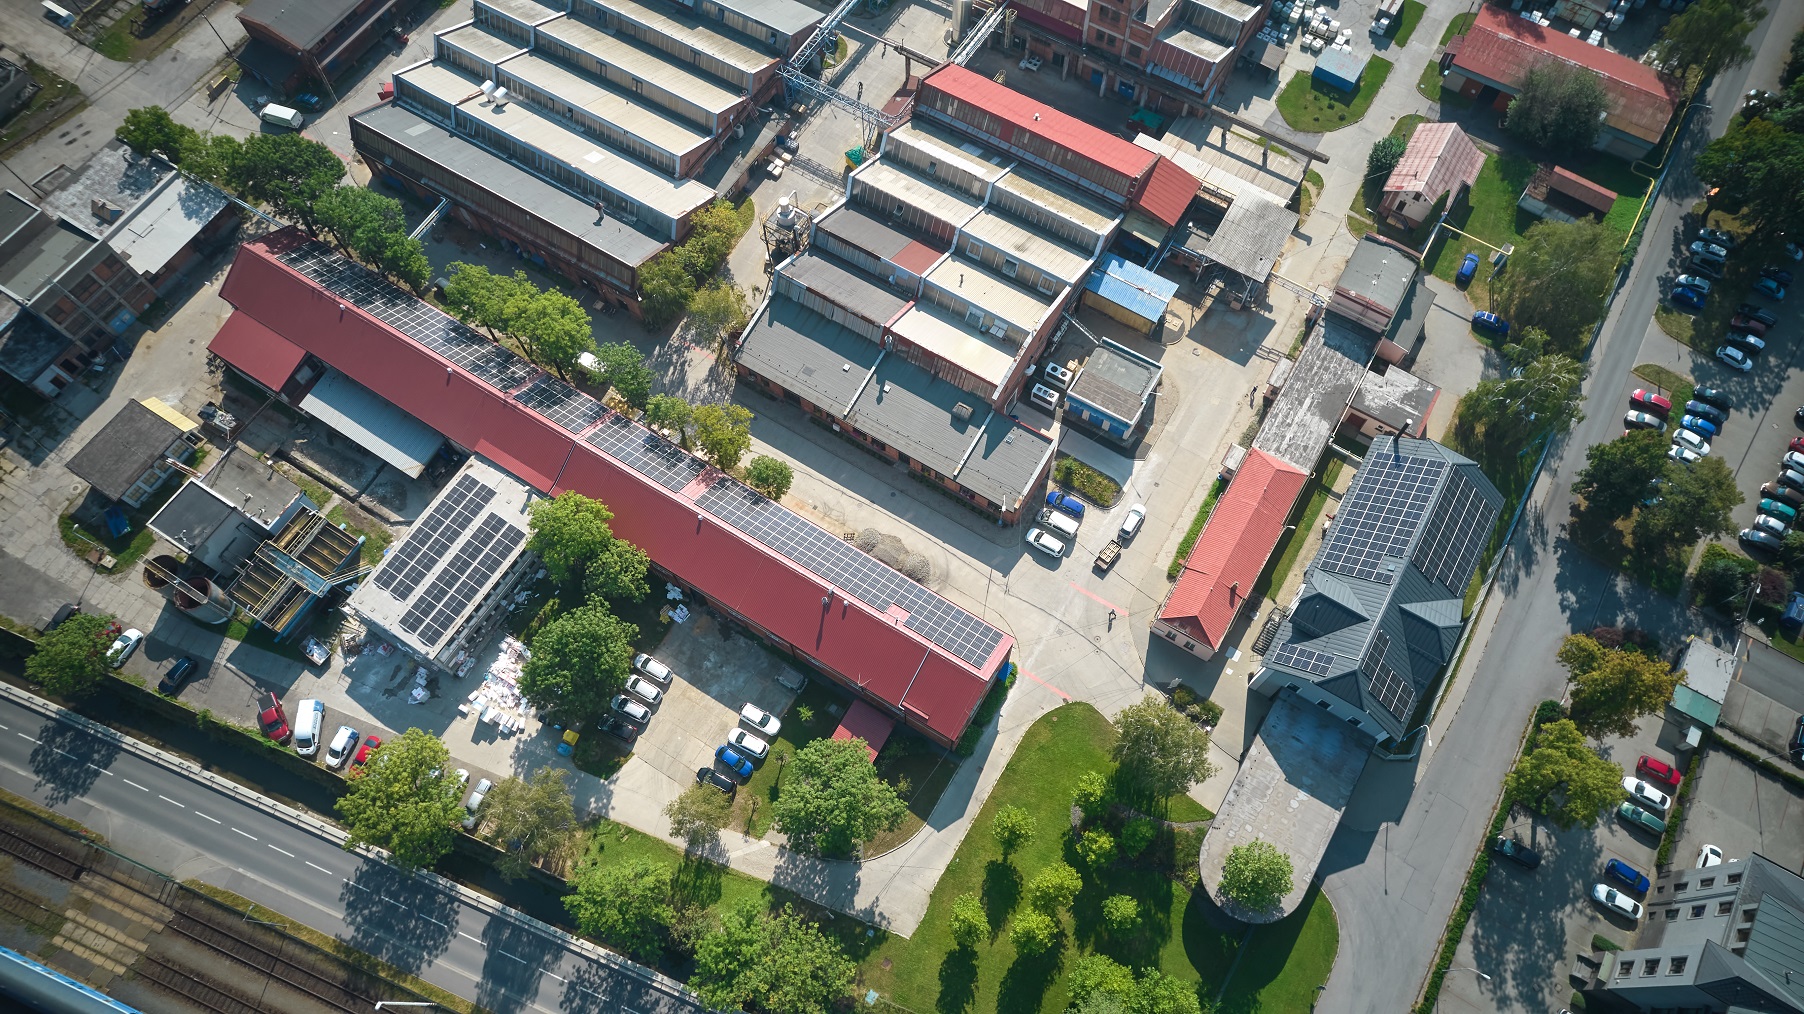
x,y
282,115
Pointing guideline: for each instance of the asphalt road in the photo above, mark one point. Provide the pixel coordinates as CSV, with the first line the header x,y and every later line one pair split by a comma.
x,y
1395,868
164,818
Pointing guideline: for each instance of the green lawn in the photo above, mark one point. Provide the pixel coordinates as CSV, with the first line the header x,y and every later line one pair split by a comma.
x,y
1429,84
1286,961
1291,545
1410,18
1670,384
376,536
1458,26
1309,105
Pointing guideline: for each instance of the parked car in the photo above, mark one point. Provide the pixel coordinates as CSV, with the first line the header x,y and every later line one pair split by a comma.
x,y
1759,313
630,708
365,751
1734,358
1616,901
123,646
1770,289
1794,251
1485,320
1777,274
1717,237
734,761
1635,815
1061,500
1748,325
271,718
713,778
1796,746
1699,248
748,744
1646,795
1643,421
1627,875
1790,479
1779,509
1648,401
762,721
1131,522
1691,299
652,669
1691,441
474,803
1045,543
1516,852
621,730
1702,285
1683,455
1709,856
1709,267
644,688
1712,396
1468,267
339,750
1764,540
1783,494
1793,460
177,675
1701,426
1704,410
1771,524
1746,342
1659,772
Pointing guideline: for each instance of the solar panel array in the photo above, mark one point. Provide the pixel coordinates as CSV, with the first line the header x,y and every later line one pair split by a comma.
x,y
647,453
1449,550
562,404
476,564
1380,515
433,535
845,567
1308,660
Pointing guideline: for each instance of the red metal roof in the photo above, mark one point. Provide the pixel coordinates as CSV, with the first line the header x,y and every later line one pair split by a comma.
x,y
1041,120
1581,189
867,649
266,356
867,723
1238,540
1502,46
1166,191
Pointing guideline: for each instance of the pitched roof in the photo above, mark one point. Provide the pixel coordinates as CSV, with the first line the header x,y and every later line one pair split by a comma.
x,y
1035,117
1502,46
124,449
1580,189
265,356
1166,192
1239,538
1439,158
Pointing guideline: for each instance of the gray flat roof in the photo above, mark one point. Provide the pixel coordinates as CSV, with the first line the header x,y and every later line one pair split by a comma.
x,y
1378,272
252,485
1030,246
1315,396
149,236
897,183
634,116
302,22
114,175
191,516
1181,36
1227,159
1116,381
975,283
785,16
29,346
480,41
808,354
1006,463
911,410
14,212
507,181
835,280
867,232
1059,199
1252,235
942,145
651,65
1395,396
44,257
529,12
693,32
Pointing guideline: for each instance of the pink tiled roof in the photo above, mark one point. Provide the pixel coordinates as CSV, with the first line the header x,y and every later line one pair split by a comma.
x,y
1439,158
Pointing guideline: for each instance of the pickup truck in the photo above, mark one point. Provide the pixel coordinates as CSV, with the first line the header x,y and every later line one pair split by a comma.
x,y
1109,554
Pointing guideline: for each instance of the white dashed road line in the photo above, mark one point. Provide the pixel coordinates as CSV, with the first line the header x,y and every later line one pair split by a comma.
x,y
166,799
215,820
556,976
252,837
320,868
284,852
135,785
100,769
467,936
21,735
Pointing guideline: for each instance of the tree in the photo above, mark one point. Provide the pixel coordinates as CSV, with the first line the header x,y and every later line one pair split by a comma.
x,y
618,574
779,962
1695,501
625,371
1621,473
1091,791
1120,913
404,258
1622,686
625,903
1791,552
1256,876
1053,889
1558,107
1564,780
1772,587
1013,827
579,660
1581,653
1158,993
568,531
1137,834
1708,36
72,659
970,926
1540,399
724,433
480,298
670,413
1386,152
770,476
1098,984
665,289
557,330
289,173
359,219
698,814
1557,279
1096,847
530,819
1095,974
1755,166
717,312
833,799
405,800
149,130
1033,933
1159,750
215,159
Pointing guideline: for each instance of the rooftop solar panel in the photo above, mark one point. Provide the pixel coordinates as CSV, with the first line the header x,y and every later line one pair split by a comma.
x,y
1379,516
1458,533
432,536
1302,659
478,559
562,404
646,453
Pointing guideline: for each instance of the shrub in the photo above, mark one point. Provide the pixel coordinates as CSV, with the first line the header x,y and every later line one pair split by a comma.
x,y
1120,912
1054,888
1137,834
969,923
1209,711
1092,789
1096,848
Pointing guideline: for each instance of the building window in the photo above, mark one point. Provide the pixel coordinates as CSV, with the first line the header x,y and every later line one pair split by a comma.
x,y
1171,635
1734,878
1706,882
1671,914
1676,965
1724,907
1697,911
1650,966
1680,886
1322,704
60,312
1747,914
84,288
1133,52
1625,968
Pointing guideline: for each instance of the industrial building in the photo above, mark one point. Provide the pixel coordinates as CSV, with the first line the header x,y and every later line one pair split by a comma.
x,y
220,518
293,42
1170,55
136,451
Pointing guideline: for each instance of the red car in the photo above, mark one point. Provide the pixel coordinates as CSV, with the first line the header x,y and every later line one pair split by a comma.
x,y
365,751
271,717
1649,401
1659,771
1747,325
1797,444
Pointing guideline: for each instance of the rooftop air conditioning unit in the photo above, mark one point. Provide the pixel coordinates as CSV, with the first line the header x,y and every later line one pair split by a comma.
x,y
488,90
500,97
961,412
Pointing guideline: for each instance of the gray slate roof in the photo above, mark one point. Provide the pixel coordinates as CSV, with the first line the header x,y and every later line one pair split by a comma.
x,y
302,22
124,449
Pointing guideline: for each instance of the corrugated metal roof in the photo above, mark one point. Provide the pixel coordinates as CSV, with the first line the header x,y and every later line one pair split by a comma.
x,y
1040,120
694,32
651,65
372,422
1252,234
264,355
1166,192
1132,287
1439,158
1581,189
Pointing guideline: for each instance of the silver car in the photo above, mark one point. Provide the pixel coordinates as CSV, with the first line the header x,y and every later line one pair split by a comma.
x,y
645,688
1040,540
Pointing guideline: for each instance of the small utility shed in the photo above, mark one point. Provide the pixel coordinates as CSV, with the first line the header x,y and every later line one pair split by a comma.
x,y
1706,672
1126,292
125,460
1112,390
1340,68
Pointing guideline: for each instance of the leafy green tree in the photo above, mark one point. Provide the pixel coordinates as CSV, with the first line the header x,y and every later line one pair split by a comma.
x,y
215,159
1581,653
289,173
714,231
556,329
717,313
1755,166
531,819
770,476
625,371
1158,750
1256,875
1120,913
776,962
359,219
1564,780
619,573
670,413
1095,974
665,289
1722,579
72,659
149,130
1158,993
1541,399
1619,688
833,799
624,903
1053,889
579,661
698,815
724,433
1096,847
483,299
1098,984
970,925
1558,107
1557,279
405,800
1791,552
1708,36
1695,501
1090,794
1013,828
1621,473
1386,152
404,258
1137,834
1033,933
571,534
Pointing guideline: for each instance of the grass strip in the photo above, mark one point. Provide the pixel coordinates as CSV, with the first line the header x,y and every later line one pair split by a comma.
x,y
1188,542
1408,20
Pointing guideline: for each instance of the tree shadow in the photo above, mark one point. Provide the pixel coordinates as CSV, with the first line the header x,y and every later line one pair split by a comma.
x,y
1024,985
68,761
515,956
958,981
697,881
397,916
1001,893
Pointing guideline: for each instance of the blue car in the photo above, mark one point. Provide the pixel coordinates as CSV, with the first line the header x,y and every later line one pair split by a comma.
x,y
734,761
1467,268
1620,871
1691,298
1485,320
1700,426
1063,501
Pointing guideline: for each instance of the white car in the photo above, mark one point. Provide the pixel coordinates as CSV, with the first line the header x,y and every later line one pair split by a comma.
x,y
1718,237
1709,855
474,803
644,688
1794,251
1615,901
1045,543
123,646
748,744
1691,441
1703,249
463,778
1646,795
1772,524
339,750
1683,455
630,708
652,668
760,719
1735,358
1694,282
1130,525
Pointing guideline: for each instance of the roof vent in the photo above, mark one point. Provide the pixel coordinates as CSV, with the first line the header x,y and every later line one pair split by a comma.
x,y
105,211
887,387
961,412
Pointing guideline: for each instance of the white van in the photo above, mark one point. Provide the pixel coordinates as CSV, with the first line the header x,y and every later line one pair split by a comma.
x,y
1060,522
308,718
282,116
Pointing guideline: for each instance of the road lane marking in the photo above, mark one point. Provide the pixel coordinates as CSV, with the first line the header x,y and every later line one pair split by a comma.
x,y
395,903
360,887
21,735
135,785
516,957
100,769
318,867
252,837
556,976
166,799
215,820
284,852
62,751
467,936
8,728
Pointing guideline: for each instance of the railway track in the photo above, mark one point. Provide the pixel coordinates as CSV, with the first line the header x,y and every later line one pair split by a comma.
x,y
20,847
322,988
190,987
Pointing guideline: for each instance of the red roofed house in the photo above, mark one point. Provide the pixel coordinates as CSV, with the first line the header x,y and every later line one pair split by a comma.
x,y
1500,47
1441,161
1218,577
